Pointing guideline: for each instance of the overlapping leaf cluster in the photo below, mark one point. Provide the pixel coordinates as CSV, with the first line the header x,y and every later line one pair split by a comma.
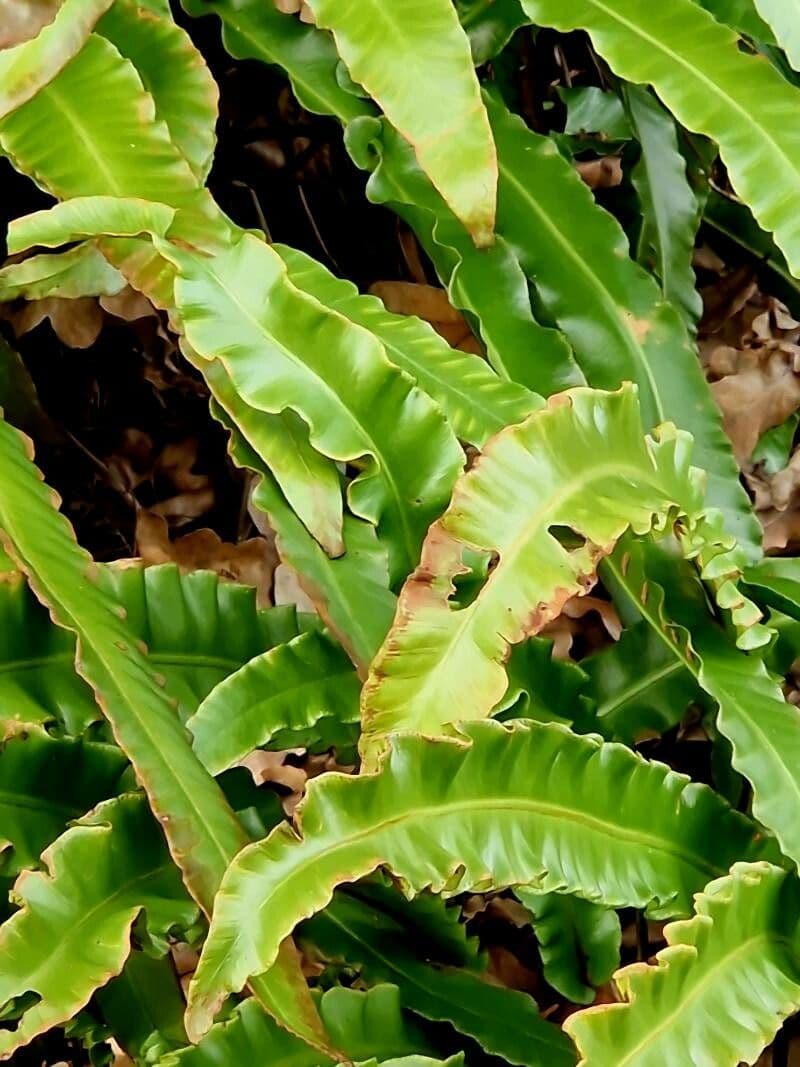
x,y
440,509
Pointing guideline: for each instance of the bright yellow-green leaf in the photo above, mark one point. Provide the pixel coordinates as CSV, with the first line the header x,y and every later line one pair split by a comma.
x,y
581,464
28,66
719,990
73,931
173,72
528,805
86,216
414,59
240,308
82,271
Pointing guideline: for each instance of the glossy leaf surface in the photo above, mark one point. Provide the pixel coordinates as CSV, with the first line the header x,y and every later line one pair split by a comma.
x,y
644,841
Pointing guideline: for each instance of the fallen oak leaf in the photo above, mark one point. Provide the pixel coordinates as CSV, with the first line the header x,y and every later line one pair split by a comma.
x,y
762,392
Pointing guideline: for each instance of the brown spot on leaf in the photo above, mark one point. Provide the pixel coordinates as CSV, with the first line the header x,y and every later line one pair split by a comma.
x,y
640,328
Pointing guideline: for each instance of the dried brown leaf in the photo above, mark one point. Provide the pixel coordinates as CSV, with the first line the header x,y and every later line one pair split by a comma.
x,y
250,562
507,970
575,621
750,348
288,589
603,173
75,322
23,19
129,305
761,392
431,304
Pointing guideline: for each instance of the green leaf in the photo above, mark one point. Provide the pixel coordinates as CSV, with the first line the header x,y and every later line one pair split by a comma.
x,y
144,1007
258,809
203,832
87,216
45,783
432,923
81,271
286,690
763,729
488,284
414,59
582,463
76,142
363,1024
775,446
351,593
641,684
20,404
711,87
506,1023
741,15
476,402
78,926
646,680
531,805
578,941
173,72
27,67
783,17
544,688
241,309
456,1060
611,310
761,725
371,1023
669,207
252,29
310,481
198,629
593,110
249,1036
719,991
776,582
490,25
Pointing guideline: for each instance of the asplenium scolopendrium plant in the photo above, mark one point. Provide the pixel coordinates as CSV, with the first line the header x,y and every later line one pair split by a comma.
x,y
130,696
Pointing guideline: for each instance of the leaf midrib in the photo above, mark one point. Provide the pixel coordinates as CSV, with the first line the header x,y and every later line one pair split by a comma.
x,y
581,267
80,132
723,963
628,692
491,805
176,659
86,917
383,470
508,559
696,72
433,991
